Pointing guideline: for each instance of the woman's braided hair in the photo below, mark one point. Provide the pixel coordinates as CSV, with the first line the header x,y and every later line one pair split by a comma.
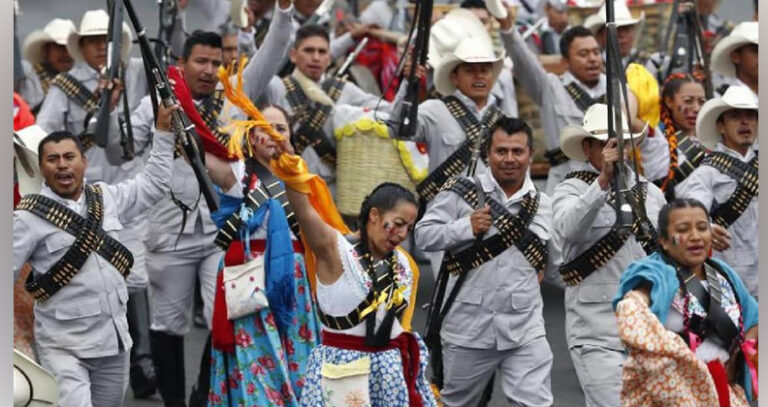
x,y
671,86
384,198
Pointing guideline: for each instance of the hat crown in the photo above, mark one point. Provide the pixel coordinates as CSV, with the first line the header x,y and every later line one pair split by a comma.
x,y
740,97
470,49
748,30
446,34
94,22
58,29
596,119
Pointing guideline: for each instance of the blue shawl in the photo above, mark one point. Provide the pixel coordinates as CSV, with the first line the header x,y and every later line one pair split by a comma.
x,y
279,261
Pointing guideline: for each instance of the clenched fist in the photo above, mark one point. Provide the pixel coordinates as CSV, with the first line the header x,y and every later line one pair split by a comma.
x,y
481,220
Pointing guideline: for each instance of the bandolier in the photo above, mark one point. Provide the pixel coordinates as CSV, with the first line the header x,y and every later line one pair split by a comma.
x,y
601,252
45,75
746,174
694,155
385,290
89,238
476,132
513,231
270,188
583,101
82,96
312,116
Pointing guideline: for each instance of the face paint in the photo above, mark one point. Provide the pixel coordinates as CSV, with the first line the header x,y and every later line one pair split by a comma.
x,y
389,228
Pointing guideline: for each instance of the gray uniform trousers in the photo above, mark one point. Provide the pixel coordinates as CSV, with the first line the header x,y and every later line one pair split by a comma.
x,y
98,382
173,272
599,372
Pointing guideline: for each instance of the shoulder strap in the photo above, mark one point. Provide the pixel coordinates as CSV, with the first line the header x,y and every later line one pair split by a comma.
x,y
333,86
209,111
587,177
694,155
76,91
311,118
45,75
581,97
746,174
90,238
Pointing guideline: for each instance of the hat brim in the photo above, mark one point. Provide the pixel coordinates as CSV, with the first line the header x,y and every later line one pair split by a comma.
x,y
41,385
32,49
73,43
29,176
572,135
594,22
496,8
721,54
443,71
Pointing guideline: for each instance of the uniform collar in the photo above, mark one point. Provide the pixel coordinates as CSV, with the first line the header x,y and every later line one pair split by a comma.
x,y
77,206
490,185
597,91
720,147
470,104
82,72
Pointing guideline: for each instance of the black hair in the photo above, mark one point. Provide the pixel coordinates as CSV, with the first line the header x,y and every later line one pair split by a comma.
x,y
308,31
56,137
677,203
473,4
200,37
384,198
571,34
509,125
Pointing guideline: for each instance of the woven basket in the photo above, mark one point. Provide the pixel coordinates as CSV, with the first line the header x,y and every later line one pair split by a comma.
x,y
366,157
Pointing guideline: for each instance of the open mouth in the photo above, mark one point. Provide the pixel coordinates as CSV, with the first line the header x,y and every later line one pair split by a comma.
x,y
696,250
65,179
479,86
745,132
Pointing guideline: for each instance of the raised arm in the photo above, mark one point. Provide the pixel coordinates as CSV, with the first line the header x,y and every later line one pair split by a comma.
x,y
528,70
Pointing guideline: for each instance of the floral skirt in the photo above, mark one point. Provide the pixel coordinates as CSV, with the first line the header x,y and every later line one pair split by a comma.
x,y
386,386
268,366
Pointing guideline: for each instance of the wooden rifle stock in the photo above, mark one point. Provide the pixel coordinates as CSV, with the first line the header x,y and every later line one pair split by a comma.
x,y
181,124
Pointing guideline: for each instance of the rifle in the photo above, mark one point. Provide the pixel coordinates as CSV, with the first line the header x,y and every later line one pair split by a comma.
x,y
688,42
100,134
616,88
168,11
351,58
423,17
182,126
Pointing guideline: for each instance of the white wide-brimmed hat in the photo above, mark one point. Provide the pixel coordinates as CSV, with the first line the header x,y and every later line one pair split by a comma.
x,y
622,17
57,31
736,97
25,143
743,34
471,51
447,32
32,385
594,125
96,22
497,8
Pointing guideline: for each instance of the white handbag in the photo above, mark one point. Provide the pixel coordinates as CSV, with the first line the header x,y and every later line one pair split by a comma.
x,y
244,288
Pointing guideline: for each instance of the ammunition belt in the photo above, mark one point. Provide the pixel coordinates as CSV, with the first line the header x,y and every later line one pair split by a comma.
x,y
746,174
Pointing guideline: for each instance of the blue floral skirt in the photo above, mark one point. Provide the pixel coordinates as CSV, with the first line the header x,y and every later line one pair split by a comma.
x,y
268,366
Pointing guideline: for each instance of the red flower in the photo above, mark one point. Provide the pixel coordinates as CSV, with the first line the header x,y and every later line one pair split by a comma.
x,y
242,339
307,307
300,383
259,325
305,333
271,320
257,369
275,397
267,362
214,398
232,383
251,388
223,388
286,390
237,374
293,366
301,289
298,273
288,346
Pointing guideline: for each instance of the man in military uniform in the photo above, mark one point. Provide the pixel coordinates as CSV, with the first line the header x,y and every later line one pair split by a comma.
x,y
594,253
45,56
734,59
180,238
627,29
495,228
68,235
726,181
562,99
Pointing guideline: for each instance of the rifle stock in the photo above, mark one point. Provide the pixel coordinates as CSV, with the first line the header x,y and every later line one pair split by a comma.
x,y
182,126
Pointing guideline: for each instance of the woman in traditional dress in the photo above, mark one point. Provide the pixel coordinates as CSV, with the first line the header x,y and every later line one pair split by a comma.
x,y
260,359
674,151
687,320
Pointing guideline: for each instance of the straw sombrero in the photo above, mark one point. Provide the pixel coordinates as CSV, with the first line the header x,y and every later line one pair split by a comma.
x,y
743,34
594,125
736,97
96,22
57,31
